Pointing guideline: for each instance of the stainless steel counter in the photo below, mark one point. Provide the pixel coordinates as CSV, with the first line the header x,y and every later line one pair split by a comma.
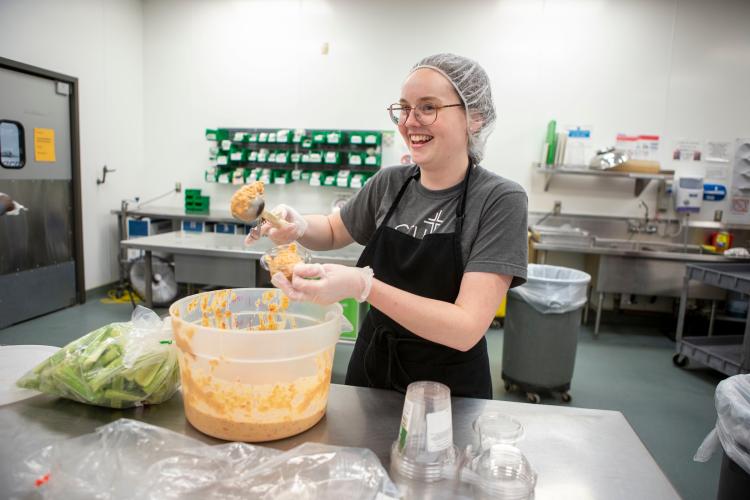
x,y
179,213
642,254
579,454
229,245
216,259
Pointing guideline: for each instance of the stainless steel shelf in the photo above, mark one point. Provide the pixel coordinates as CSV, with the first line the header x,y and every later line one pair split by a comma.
x,y
642,179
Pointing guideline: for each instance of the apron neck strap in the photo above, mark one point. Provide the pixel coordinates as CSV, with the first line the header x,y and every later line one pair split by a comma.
x,y
459,209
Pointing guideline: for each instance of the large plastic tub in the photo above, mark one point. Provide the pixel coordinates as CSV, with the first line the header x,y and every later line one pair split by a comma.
x,y
244,384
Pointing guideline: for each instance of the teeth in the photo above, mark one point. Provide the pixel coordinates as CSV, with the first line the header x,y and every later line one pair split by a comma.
x,y
420,138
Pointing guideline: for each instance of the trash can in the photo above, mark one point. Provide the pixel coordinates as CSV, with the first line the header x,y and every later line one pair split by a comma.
x,y
542,321
732,432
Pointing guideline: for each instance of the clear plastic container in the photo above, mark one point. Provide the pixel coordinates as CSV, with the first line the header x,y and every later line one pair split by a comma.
x,y
255,367
283,258
424,449
502,471
496,428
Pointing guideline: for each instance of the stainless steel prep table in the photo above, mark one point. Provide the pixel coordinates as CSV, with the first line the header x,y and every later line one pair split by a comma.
x,y
579,454
217,259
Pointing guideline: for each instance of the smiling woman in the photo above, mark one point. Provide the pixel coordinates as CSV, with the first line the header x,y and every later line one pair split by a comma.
x,y
444,240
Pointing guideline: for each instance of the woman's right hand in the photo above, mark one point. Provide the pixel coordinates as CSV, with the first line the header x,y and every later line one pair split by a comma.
x,y
293,230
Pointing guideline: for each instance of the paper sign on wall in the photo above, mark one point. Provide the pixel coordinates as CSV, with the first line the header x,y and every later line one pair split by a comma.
x,y
44,145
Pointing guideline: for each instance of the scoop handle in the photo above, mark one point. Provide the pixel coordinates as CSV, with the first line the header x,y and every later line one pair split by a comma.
x,y
273,219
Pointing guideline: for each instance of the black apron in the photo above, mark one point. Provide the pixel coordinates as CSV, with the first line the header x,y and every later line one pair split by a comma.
x,y
387,355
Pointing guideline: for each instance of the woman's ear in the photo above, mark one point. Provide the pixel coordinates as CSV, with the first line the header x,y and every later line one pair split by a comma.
x,y
476,121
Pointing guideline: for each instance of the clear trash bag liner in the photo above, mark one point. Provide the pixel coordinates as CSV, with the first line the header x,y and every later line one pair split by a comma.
x,y
129,459
553,289
732,429
119,365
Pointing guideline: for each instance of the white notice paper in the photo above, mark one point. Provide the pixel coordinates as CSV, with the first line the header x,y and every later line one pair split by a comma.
x,y
718,151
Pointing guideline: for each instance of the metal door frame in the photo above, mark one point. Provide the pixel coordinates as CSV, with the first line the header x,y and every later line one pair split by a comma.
x,y
75,160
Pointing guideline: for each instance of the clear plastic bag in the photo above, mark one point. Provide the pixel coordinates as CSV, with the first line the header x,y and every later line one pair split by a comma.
x,y
119,365
732,429
128,459
553,289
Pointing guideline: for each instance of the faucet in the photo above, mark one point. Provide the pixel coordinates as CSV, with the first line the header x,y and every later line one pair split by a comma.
x,y
642,226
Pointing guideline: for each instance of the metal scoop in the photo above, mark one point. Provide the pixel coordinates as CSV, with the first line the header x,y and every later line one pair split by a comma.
x,y
257,210
249,206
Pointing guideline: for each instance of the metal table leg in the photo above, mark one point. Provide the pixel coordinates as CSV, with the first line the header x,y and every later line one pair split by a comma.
x,y
681,314
598,314
588,305
711,318
745,356
149,281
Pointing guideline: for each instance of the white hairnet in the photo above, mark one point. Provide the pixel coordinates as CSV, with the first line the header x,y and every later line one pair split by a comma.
x,y
473,87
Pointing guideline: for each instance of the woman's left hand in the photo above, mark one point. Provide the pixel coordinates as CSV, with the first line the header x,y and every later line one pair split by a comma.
x,y
334,283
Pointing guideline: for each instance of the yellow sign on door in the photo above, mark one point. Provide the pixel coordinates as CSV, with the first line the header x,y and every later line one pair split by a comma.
x,y
44,144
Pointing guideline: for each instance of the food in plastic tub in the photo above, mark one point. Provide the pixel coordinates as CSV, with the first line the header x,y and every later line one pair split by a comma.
x,y
283,258
254,366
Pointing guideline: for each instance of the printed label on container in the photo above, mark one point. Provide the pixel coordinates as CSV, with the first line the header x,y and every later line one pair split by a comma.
x,y
439,430
405,421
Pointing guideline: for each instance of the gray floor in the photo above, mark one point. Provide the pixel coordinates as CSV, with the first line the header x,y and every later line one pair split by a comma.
x,y
628,368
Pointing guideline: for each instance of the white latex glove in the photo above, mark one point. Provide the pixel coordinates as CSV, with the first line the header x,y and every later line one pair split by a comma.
x,y
296,227
335,283
17,207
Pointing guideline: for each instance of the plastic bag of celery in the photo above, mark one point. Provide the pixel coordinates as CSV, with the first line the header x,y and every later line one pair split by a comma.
x,y
118,366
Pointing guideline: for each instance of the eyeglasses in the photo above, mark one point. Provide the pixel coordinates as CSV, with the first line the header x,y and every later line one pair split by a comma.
x,y
425,113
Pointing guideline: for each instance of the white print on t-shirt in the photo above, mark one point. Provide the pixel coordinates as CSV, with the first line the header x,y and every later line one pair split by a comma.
x,y
432,224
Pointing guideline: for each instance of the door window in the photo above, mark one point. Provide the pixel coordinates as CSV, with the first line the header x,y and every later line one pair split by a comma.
x,y
12,154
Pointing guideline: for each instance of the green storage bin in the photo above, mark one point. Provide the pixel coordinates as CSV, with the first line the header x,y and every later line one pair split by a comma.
x,y
282,177
218,134
331,157
195,203
237,155
334,137
282,157
372,138
283,136
351,312
319,137
355,159
222,160
239,137
372,160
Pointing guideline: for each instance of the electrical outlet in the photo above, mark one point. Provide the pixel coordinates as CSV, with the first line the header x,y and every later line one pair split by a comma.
x,y
178,187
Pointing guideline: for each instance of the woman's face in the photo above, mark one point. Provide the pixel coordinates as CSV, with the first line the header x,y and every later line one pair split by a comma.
x,y
444,140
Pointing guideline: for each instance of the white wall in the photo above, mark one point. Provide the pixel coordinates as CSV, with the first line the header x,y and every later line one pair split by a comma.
x,y
101,43
155,74
677,68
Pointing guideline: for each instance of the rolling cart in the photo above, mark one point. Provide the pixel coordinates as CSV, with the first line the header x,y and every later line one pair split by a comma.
x,y
729,354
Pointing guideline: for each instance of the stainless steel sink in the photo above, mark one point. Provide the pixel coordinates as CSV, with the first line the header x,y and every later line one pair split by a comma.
x,y
645,246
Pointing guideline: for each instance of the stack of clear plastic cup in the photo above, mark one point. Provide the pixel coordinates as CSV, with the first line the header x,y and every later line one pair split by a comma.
x,y
496,428
498,469
424,449
502,471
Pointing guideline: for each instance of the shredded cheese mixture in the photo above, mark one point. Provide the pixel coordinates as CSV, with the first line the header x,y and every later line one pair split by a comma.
x,y
286,256
242,201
